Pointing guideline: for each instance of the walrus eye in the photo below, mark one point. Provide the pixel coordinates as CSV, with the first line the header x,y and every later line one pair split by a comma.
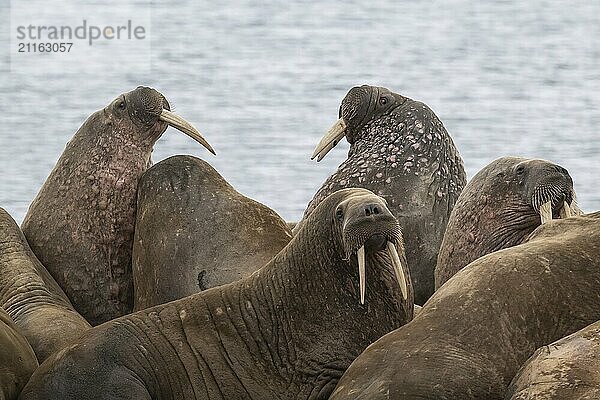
x,y
520,170
383,101
121,105
339,214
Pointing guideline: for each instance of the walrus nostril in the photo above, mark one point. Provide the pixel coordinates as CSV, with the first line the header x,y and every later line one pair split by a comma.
x,y
371,209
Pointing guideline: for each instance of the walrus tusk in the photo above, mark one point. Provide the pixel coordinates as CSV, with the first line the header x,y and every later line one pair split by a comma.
x,y
361,273
398,269
182,125
565,211
546,212
330,140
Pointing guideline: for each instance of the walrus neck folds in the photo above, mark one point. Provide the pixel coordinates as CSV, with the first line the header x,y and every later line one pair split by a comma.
x,y
310,296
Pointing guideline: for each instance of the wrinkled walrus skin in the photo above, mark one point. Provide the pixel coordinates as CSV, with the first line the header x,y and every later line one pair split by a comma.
x,y
476,331
568,369
287,331
31,297
17,360
400,150
194,231
499,208
81,223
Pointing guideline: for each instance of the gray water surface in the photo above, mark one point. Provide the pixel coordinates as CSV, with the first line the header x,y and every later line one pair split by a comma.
x,y
263,81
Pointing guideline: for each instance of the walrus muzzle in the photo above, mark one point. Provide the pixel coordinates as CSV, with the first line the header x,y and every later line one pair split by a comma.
x,y
330,140
182,125
554,201
378,234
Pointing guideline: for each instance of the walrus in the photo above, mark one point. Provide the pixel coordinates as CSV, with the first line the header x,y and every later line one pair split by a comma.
x,y
32,298
194,231
17,360
500,207
470,339
287,331
81,223
401,151
566,369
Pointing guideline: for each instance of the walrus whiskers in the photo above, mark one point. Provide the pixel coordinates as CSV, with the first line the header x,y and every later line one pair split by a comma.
x,y
361,272
182,125
330,139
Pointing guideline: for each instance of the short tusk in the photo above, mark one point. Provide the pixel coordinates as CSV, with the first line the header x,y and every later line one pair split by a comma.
x,y
399,269
182,125
565,211
546,212
330,140
362,276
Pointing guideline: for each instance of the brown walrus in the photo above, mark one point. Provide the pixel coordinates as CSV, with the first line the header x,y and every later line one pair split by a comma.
x,y
194,231
17,360
81,223
31,297
401,151
287,331
568,369
473,335
500,207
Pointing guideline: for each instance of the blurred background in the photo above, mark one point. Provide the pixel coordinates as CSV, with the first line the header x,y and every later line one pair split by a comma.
x,y
263,81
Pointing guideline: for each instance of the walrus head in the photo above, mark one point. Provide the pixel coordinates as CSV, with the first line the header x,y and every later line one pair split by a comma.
x,y
500,207
369,231
361,105
147,113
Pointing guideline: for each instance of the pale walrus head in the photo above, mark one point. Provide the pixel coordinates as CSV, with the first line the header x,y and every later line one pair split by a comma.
x,y
361,105
147,113
370,234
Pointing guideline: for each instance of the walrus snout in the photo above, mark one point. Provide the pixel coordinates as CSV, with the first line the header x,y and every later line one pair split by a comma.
x,y
369,227
553,195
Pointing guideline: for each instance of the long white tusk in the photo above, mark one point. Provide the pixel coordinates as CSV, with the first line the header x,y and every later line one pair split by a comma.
x,y
546,212
399,269
182,125
361,273
565,211
331,138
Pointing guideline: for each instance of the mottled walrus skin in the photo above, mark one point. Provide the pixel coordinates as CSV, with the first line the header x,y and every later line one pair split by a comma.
x,y
17,360
476,331
499,208
568,369
81,223
194,231
287,331
401,151
31,297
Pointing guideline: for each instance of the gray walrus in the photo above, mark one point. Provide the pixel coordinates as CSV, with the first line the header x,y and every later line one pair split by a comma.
x,y
81,223
287,331
568,369
473,335
194,231
31,297
500,207
401,151
17,360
